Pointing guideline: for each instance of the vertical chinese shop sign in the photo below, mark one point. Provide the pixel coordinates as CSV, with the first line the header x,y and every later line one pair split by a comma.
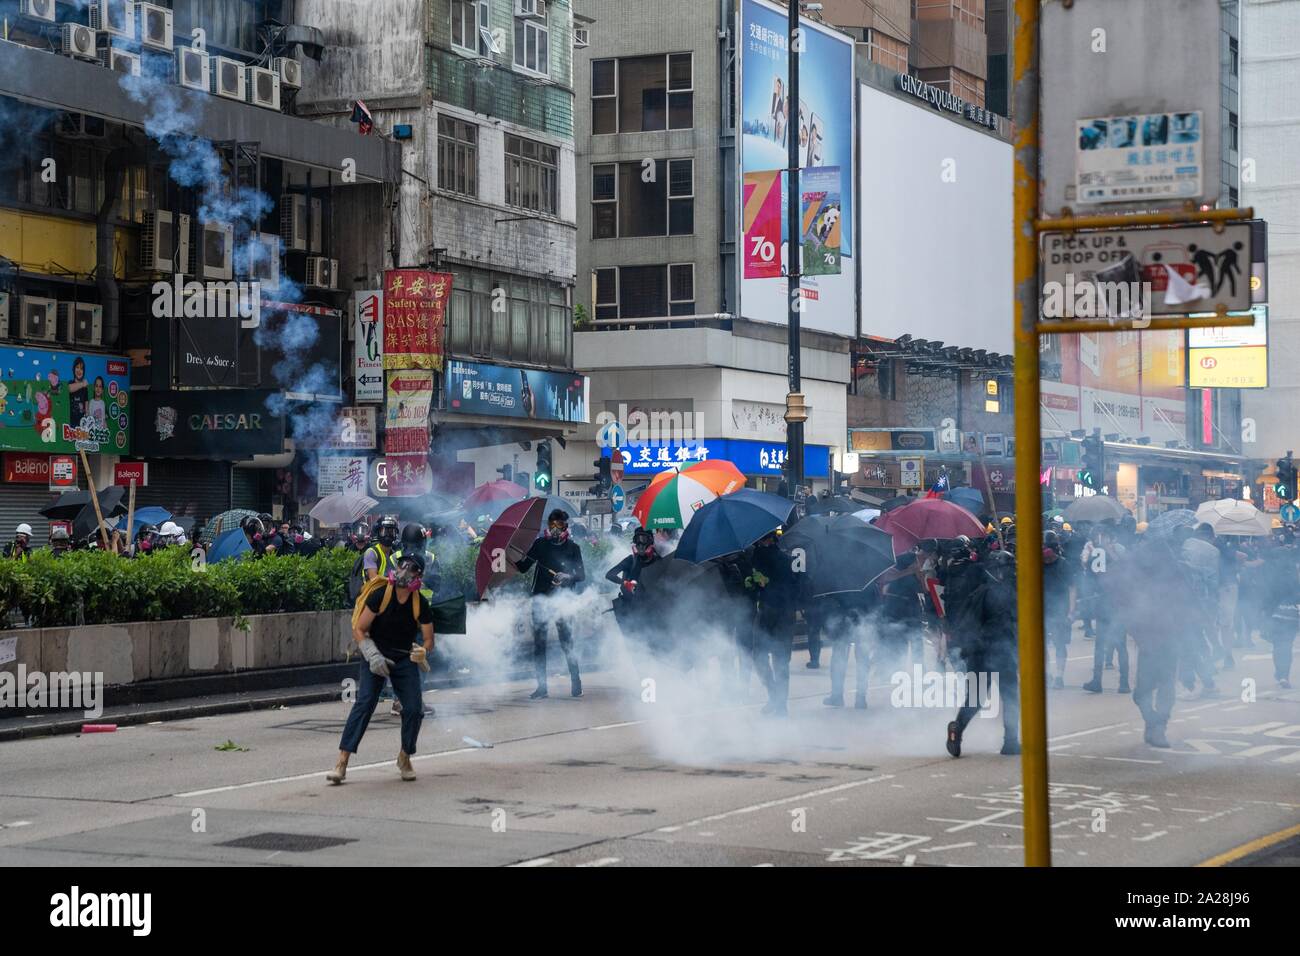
x,y
415,308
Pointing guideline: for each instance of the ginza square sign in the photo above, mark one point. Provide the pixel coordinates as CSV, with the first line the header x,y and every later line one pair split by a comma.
x,y
415,308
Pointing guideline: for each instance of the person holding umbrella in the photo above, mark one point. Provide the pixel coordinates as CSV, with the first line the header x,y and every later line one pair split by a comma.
x,y
559,570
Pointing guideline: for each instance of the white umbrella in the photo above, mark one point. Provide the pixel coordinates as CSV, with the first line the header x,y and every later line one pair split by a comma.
x,y
342,507
867,514
1233,516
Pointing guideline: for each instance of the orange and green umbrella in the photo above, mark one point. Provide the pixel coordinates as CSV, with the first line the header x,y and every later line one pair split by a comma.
x,y
673,497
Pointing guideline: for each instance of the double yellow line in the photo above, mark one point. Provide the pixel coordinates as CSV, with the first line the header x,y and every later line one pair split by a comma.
x,y
1254,846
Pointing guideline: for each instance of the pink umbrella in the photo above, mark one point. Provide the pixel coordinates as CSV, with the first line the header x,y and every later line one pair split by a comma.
x,y
507,541
928,518
499,490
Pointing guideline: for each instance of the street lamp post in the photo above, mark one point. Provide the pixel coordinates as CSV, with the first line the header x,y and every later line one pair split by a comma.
x,y
796,412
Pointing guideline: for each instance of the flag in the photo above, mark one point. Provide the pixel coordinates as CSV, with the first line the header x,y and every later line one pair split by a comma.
x,y
361,116
940,486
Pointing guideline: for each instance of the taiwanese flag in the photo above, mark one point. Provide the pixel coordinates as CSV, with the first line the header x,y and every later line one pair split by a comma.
x,y
362,117
940,486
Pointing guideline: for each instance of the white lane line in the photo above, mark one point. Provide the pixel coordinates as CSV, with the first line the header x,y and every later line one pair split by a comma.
x,y
625,723
320,773
15,825
1151,836
1132,760
1085,733
1192,710
754,808
603,861
540,861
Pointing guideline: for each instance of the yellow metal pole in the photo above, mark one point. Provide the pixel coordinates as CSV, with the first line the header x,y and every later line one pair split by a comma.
x,y
1029,504
1070,223
1064,326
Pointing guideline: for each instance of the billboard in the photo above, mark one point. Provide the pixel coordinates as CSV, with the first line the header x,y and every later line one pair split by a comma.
x,y
1153,156
368,363
475,388
64,401
414,311
1230,357
751,457
219,425
823,121
917,170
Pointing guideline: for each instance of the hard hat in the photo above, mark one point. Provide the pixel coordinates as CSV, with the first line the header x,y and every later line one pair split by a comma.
x,y
24,529
1006,519
1277,522
1066,527
170,529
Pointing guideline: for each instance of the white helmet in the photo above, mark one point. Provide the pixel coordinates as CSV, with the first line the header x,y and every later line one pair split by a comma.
x,y
24,529
170,529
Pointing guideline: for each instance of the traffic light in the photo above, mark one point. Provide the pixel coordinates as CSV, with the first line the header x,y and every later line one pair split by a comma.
x,y
542,473
1092,466
602,476
1285,488
507,472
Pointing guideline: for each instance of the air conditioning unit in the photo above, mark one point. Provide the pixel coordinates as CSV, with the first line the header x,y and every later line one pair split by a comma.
x,y
192,68
81,126
262,261
212,251
114,17
81,323
4,315
293,221
263,87
39,319
288,70
532,9
78,40
37,9
165,242
581,37
120,60
155,26
228,78
322,273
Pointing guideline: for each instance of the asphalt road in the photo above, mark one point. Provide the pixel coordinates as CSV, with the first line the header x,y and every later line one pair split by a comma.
x,y
687,778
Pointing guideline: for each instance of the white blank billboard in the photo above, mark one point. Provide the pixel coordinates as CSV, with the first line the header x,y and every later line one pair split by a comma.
x,y
934,214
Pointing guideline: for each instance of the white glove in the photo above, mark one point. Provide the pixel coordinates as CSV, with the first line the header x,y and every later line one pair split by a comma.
x,y
562,578
420,656
378,663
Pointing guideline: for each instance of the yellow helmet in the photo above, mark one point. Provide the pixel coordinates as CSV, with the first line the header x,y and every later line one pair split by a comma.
x,y
1007,520
1066,527
1142,526
1277,522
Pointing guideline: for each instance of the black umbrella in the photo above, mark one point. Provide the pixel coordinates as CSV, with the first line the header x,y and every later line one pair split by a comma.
x,y
86,525
843,554
898,502
69,504
667,611
835,505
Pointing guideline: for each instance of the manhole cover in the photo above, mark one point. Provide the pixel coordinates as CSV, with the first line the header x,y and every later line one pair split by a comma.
x,y
286,842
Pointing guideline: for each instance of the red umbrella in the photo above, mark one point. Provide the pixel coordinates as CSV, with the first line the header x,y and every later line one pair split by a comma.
x,y
498,490
928,518
507,541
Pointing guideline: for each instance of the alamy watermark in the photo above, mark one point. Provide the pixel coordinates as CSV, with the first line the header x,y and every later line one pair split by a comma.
x,y
636,426
216,300
1091,299
946,690
56,690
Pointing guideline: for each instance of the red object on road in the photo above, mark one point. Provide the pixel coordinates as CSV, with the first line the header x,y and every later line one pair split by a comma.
x,y
928,518
98,728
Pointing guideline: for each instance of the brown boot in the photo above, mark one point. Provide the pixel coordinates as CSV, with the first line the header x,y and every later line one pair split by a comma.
x,y
339,773
404,766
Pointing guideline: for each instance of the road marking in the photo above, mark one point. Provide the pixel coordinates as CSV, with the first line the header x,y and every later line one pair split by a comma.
x,y
754,808
626,723
1151,836
909,859
540,861
1132,760
15,825
603,861
1085,733
1254,846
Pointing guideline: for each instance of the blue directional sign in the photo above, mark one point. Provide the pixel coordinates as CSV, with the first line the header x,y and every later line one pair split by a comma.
x,y
1290,514
616,498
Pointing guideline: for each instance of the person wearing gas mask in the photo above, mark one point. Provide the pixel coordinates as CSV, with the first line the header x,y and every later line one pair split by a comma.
x,y
1058,601
60,542
777,591
20,548
627,573
385,628
559,570
146,541
283,541
989,649
255,533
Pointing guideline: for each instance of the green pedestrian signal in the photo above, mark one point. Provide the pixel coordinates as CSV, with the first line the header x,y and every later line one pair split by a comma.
x,y
542,474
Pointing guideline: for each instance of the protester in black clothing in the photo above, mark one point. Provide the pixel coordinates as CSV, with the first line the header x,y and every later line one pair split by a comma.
x,y
385,633
627,573
1281,591
737,581
255,533
988,648
777,589
844,617
559,571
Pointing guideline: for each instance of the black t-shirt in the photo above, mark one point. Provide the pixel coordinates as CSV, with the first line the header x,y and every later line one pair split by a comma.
x,y
629,569
395,630
551,557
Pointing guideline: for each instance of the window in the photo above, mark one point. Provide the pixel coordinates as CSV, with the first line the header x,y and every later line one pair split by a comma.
x,y
531,38
642,292
1232,132
607,293
642,94
681,289
649,198
469,26
1234,62
531,175
457,156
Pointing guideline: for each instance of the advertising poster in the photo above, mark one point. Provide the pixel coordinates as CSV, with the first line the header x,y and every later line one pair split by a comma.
x,y
823,122
228,424
64,401
1134,158
821,221
407,476
410,396
1230,357
478,389
368,366
414,310
354,429
341,473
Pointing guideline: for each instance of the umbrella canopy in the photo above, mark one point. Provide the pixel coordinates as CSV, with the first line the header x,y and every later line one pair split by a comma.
x,y
511,535
928,518
867,514
732,523
231,544
499,490
666,616
900,501
837,504
844,555
69,504
1095,508
968,498
1171,521
151,515
495,509
342,507
673,498
86,525
1051,513
224,522
1232,516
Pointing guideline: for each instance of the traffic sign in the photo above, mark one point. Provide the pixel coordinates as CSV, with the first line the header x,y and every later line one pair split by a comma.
x,y
1290,513
616,498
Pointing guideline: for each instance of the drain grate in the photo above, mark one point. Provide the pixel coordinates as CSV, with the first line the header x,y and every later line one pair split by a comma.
x,y
287,842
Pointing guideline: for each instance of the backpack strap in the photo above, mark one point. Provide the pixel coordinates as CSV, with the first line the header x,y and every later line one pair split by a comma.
x,y
384,601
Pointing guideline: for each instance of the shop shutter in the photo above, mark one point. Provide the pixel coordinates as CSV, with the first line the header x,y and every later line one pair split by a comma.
x,y
246,489
200,489
19,503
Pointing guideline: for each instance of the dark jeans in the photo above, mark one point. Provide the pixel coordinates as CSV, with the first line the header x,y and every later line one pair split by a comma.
x,y
1058,630
406,682
1153,690
1004,665
1111,636
842,645
1195,660
775,639
1281,634
541,628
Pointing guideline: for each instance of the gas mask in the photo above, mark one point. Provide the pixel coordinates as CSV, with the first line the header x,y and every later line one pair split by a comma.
x,y
558,533
406,576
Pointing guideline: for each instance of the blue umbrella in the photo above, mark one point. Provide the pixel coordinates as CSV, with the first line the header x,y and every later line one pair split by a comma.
x,y
152,515
1166,524
231,544
732,523
968,498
